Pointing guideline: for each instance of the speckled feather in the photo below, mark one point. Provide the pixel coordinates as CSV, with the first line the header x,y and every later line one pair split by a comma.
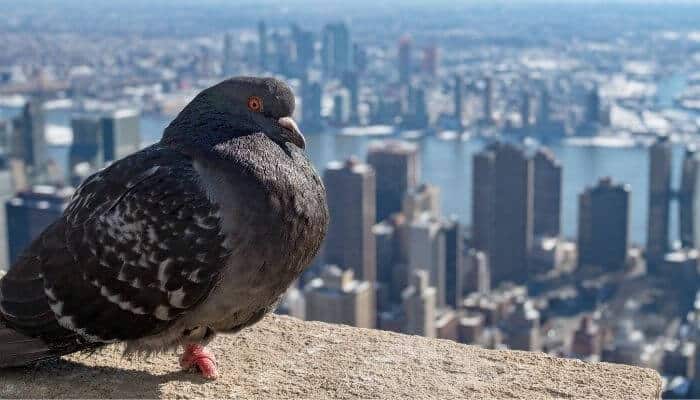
x,y
205,229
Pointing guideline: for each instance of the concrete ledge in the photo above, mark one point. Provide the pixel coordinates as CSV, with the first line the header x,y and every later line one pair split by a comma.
x,y
286,358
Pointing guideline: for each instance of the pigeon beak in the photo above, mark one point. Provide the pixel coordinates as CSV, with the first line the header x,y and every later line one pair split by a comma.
x,y
294,135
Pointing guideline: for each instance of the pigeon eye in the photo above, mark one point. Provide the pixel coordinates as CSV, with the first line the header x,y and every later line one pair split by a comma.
x,y
255,103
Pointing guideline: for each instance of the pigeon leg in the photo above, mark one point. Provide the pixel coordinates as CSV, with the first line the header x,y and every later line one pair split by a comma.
x,y
196,356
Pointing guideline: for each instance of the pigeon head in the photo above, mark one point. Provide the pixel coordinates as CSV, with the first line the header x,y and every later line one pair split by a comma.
x,y
233,108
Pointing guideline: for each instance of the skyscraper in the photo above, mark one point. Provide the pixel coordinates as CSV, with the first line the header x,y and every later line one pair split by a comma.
x,y
487,100
459,101
405,62
689,199
86,147
303,49
430,60
397,167
454,247
475,275
351,188
29,142
121,134
505,232
228,64
426,251
659,199
603,225
547,194
337,297
30,212
350,81
336,50
419,305
262,46
416,113
311,107
423,199
592,106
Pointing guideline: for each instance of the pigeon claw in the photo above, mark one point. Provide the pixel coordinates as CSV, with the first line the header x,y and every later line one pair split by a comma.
x,y
199,358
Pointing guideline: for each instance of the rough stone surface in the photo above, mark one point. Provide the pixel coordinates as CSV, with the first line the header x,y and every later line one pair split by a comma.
x,y
286,358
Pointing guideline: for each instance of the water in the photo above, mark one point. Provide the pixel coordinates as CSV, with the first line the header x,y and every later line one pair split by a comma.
x,y
447,164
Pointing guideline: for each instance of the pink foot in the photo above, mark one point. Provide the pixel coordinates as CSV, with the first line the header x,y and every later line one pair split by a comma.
x,y
196,356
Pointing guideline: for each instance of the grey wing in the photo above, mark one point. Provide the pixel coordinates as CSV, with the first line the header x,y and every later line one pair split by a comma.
x,y
145,251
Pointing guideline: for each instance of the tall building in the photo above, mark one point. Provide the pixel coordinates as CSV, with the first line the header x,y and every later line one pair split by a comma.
x,y
689,199
349,243
474,277
121,134
311,107
336,50
303,49
426,251
487,100
430,60
454,260
459,100
337,297
29,142
547,194
397,168
603,225
405,66
419,302
263,52
521,328
503,190
660,157
341,108
228,65
86,148
416,113
526,109
350,81
29,212
592,106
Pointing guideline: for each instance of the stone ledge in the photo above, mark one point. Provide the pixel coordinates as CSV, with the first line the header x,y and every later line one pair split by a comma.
x,y
283,357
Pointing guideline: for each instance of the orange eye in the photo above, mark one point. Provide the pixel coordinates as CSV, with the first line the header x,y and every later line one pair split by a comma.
x,y
255,103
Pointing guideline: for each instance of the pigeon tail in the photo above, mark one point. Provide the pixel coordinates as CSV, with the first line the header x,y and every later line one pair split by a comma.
x,y
17,349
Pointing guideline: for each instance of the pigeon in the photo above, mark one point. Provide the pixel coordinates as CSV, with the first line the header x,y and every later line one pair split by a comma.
x,y
199,234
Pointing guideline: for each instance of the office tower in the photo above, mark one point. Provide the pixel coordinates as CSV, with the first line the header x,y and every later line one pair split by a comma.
x,y
603,224
86,154
487,99
337,297
503,192
543,110
474,277
303,49
341,107
454,260
659,199
547,194
459,100
521,328
587,339
262,46
405,45
29,212
350,82
5,138
416,113
121,134
423,199
311,107
228,64
336,50
430,60
689,199
350,189
397,167
29,141
419,302
592,106
426,251
384,239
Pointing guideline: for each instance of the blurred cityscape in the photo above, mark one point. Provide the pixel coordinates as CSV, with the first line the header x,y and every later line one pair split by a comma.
x,y
505,175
